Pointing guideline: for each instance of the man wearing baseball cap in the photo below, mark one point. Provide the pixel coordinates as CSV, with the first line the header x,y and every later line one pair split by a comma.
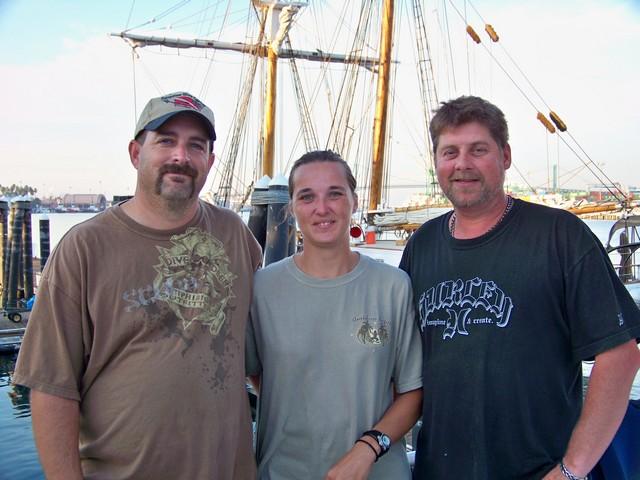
x,y
133,350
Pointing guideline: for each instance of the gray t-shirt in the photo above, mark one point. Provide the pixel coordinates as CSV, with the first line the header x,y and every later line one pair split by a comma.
x,y
329,352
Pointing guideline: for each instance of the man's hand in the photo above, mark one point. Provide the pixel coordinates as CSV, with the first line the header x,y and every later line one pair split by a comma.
x,y
555,474
355,465
604,406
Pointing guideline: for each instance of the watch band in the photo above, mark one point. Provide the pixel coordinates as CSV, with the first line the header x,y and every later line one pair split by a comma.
x,y
381,439
375,452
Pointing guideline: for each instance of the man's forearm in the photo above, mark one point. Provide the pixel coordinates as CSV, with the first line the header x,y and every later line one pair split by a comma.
x,y
56,422
604,407
401,415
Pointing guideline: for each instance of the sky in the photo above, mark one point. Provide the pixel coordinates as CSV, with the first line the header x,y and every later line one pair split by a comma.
x,y
71,96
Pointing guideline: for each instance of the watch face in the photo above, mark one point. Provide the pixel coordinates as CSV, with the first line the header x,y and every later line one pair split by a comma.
x,y
384,441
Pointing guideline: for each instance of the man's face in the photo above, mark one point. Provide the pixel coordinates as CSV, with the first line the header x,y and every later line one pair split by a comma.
x,y
323,204
173,162
470,165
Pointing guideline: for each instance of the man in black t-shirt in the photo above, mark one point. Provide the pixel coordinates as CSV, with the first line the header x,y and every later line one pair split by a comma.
x,y
510,298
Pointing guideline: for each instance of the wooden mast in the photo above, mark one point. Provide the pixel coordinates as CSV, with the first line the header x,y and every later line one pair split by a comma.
x,y
382,101
276,28
269,121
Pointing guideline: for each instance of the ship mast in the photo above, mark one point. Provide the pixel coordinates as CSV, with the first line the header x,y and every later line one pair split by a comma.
x,y
280,17
268,132
382,103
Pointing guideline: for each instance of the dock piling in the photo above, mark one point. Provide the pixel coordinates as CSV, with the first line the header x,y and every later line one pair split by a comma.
x,y
4,212
44,242
17,261
10,300
27,250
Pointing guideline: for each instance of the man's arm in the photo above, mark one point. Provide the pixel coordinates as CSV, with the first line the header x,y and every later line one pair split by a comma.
x,y
604,407
397,420
56,423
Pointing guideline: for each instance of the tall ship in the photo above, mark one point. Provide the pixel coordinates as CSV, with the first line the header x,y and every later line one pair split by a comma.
x,y
360,78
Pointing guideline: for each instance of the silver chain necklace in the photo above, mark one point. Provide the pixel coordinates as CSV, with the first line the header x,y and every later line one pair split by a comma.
x,y
452,222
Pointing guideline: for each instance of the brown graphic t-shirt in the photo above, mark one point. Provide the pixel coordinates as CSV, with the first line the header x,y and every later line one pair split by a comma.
x,y
145,328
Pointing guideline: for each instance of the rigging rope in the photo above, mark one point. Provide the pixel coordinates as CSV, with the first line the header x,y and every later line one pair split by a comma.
x,y
323,79
590,164
133,4
467,49
161,15
340,122
533,190
135,90
228,172
427,83
551,110
446,22
204,90
150,75
310,137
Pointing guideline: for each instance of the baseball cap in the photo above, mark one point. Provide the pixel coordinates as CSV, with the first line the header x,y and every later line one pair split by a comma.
x,y
159,110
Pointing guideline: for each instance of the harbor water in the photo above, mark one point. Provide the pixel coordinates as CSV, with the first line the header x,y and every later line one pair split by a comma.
x,y
59,224
18,458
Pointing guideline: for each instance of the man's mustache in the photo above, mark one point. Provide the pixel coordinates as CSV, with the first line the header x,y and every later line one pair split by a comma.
x,y
178,169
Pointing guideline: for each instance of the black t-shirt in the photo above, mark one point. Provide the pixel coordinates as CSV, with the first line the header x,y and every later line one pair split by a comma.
x,y
506,319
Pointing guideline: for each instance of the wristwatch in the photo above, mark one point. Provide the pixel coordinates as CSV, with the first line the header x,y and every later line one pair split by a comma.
x,y
382,439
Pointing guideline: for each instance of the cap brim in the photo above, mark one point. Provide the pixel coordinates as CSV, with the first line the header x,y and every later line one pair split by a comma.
x,y
154,125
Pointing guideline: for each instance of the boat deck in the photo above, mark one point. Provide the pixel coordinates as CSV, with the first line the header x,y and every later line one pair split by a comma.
x,y
11,333
387,251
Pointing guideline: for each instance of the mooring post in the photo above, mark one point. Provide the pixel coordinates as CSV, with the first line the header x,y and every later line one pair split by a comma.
x,y
258,216
15,257
27,249
277,246
44,241
4,248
